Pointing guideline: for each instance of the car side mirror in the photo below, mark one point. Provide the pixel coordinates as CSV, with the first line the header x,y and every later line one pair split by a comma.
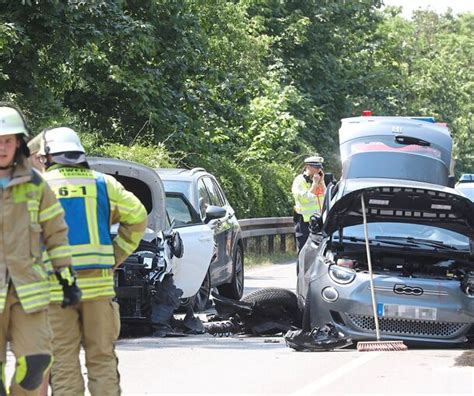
x,y
328,178
214,212
315,224
451,181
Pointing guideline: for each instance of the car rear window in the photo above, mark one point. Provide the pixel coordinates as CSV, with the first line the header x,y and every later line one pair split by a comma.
x,y
389,143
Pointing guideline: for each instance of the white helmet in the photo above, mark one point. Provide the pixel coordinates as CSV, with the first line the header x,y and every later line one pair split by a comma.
x,y
11,122
61,140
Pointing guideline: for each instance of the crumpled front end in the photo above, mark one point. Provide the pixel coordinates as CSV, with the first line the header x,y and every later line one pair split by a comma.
x,y
417,310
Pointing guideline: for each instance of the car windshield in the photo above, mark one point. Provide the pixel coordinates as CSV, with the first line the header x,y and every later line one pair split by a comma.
x,y
404,231
178,186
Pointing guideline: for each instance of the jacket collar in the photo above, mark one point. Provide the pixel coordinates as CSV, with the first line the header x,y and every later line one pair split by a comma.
x,y
22,173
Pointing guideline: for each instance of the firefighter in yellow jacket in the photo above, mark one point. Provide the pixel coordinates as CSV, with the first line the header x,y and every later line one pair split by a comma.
x,y
308,191
31,218
92,202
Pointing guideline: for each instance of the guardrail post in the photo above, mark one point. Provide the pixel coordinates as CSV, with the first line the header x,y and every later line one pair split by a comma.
x,y
283,243
258,245
271,248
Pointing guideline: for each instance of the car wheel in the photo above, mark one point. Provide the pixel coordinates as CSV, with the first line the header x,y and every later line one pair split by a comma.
x,y
202,296
275,299
273,296
235,289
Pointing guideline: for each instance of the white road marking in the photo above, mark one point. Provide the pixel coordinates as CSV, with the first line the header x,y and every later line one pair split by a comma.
x,y
332,376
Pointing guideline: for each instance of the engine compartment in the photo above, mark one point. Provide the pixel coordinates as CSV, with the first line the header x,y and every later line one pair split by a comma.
x,y
408,264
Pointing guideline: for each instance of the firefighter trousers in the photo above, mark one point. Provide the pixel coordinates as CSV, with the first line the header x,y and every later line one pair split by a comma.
x,y
29,335
94,324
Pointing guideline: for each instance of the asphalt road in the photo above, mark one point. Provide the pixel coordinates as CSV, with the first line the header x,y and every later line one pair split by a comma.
x,y
265,366
208,365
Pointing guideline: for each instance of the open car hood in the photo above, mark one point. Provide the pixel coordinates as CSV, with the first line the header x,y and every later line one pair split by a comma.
x,y
142,181
439,207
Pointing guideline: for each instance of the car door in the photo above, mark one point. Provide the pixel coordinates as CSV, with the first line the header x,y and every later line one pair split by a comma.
x,y
198,241
221,269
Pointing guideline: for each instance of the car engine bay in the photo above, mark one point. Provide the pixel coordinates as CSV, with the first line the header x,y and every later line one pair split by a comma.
x,y
408,264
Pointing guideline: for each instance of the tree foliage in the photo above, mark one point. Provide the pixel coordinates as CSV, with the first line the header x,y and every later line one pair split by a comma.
x,y
246,88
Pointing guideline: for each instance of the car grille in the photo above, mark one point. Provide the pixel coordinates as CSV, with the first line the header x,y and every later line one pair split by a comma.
x,y
407,327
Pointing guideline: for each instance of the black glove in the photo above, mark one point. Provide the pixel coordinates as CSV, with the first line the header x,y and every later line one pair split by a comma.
x,y
71,292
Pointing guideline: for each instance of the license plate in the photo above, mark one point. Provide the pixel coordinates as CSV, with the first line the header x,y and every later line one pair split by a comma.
x,y
406,312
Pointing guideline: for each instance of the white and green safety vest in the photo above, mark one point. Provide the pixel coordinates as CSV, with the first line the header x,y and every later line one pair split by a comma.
x,y
306,203
93,202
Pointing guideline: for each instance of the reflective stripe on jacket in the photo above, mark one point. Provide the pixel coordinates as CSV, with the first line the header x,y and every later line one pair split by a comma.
x,y
93,202
306,203
31,218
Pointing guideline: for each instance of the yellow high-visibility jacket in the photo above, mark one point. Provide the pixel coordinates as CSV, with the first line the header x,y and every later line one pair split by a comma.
x,y
93,202
306,203
31,219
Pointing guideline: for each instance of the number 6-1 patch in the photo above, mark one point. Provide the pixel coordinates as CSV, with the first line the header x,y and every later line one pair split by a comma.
x,y
75,191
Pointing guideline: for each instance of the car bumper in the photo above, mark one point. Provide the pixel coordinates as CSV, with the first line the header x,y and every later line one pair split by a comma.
x,y
352,311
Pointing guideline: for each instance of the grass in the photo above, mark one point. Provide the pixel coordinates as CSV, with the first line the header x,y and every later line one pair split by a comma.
x,y
253,260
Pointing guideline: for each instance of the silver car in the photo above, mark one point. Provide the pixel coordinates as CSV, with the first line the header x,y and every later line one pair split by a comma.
x,y
421,248
420,235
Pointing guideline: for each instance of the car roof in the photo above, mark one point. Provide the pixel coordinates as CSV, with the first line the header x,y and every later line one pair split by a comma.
x,y
181,173
466,178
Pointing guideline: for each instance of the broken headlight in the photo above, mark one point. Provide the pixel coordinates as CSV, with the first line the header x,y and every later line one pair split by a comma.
x,y
341,275
467,284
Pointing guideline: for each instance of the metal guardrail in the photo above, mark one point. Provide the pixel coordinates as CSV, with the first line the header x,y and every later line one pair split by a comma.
x,y
268,228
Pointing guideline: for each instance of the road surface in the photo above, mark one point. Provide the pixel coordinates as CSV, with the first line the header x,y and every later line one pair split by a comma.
x,y
265,366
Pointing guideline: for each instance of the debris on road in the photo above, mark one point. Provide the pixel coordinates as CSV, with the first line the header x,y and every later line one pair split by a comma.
x,y
466,359
265,311
319,339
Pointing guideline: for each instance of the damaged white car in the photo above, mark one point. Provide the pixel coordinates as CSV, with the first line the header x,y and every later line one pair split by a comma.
x,y
173,257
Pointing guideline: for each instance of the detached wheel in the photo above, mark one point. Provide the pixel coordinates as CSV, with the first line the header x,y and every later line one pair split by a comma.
x,y
235,289
202,296
276,302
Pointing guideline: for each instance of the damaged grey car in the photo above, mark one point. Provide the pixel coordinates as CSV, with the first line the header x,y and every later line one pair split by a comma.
x,y
420,236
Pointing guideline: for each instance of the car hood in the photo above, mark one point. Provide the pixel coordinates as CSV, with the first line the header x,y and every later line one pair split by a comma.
x,y
142,181
404,203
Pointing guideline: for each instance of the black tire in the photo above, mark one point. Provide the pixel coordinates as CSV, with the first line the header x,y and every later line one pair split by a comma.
x,y
235,289
275,302
202,296
273,296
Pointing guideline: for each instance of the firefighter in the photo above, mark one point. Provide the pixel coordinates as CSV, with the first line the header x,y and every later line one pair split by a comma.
x,y
37,159
93,202
308,190
31,218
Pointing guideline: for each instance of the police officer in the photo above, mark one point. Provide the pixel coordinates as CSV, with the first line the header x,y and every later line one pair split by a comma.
x,y
31,218
308,191
92,202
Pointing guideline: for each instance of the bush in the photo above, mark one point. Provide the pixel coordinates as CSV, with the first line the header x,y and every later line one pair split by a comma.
x,y
154,156
259,190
